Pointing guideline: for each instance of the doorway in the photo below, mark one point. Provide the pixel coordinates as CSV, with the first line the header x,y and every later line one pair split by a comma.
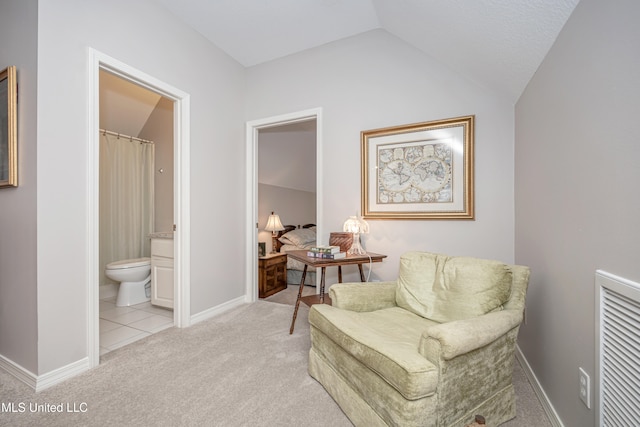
x,y
254,128
98,63
136,178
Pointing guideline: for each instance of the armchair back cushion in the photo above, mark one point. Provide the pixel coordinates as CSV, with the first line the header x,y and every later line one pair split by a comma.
x,y
444,289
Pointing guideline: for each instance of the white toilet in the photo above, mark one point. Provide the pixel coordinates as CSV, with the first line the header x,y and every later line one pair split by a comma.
x,y
134,276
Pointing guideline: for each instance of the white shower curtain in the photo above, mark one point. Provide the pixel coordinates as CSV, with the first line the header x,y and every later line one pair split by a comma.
x,y
126,199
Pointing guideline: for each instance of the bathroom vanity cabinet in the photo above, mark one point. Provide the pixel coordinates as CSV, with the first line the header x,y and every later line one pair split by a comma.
x,y
162,272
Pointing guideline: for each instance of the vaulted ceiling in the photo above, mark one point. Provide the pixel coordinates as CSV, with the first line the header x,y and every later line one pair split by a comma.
x,y
124,107
497,43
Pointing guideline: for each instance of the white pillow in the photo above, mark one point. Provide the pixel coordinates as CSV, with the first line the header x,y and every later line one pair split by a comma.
x,y
299,237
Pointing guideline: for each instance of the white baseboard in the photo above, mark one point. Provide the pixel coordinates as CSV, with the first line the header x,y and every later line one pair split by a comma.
x,y
61,374
17,371
538,390
44,381
219,309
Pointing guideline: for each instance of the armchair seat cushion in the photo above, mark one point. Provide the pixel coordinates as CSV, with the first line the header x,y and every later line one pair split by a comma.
x,y
385,341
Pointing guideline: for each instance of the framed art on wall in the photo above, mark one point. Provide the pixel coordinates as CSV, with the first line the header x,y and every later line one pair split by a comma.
x,y
8,128
419,171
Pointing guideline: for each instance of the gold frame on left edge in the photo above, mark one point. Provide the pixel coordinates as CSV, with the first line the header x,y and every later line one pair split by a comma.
x,y
9,127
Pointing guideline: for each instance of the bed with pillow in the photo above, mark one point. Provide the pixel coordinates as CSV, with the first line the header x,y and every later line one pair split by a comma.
x,y
294,238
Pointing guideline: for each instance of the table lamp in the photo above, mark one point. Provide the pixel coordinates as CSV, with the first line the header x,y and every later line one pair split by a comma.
x,y
356,225
274,225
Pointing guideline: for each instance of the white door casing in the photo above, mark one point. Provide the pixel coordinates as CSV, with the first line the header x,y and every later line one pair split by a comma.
x,y
252,129
181,210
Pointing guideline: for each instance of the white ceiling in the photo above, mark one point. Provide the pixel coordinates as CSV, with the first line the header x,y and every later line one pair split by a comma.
x,y
497,43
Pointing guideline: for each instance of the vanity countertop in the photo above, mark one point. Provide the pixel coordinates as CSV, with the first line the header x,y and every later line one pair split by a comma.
x,y
161,235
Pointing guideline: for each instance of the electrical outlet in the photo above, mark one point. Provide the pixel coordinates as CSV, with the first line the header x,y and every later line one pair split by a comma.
x,y
585,388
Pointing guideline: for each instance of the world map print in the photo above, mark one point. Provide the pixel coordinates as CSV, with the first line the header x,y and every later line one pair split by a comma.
x,y
414,173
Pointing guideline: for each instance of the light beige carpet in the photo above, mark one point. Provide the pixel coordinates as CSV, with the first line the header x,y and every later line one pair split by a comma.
x,y
290,294
241,368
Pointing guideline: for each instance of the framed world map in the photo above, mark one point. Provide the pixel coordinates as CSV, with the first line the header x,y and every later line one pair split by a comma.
x,y
419,171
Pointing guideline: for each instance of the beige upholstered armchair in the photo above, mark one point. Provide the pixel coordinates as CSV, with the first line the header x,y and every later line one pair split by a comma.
x,y
433,348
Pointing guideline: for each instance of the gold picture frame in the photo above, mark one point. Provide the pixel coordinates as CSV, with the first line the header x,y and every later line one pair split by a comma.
x,y
8,128
419,171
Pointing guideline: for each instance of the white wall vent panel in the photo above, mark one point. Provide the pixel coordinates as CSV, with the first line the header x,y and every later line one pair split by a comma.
x,y
617,351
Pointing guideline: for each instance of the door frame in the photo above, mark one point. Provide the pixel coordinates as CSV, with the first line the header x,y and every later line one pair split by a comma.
x,y
181,188
252,129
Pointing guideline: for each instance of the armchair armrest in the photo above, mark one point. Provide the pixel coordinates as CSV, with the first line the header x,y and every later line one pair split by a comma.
x,y
368,296
452,339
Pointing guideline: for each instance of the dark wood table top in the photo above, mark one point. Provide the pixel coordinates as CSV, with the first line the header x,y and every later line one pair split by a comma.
x,y
327,262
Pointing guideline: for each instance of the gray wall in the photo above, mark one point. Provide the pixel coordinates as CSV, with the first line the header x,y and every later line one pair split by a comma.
x,y
145,36
575,163
18,277
577,204
295,207
159,129
286,176
287,156
375,80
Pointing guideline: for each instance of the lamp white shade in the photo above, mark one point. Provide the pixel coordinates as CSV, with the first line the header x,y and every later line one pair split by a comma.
x,y
274,223
356,225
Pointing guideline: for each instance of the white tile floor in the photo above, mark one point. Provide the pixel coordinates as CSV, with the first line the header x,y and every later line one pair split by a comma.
x,y
120,326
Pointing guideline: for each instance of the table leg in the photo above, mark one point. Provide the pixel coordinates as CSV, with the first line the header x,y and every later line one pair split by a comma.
x,y
361,272
339,274
322,285
295,311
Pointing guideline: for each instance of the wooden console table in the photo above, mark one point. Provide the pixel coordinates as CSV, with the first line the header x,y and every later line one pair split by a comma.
x,y
323,263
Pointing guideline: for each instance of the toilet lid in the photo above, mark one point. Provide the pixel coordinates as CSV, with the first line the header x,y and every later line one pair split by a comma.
x,y
129,263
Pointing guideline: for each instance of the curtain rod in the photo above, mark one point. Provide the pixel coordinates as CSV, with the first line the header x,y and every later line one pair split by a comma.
x,y
121,135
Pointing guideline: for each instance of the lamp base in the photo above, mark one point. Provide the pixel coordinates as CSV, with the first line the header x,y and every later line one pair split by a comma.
x,y
356,248
273,244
